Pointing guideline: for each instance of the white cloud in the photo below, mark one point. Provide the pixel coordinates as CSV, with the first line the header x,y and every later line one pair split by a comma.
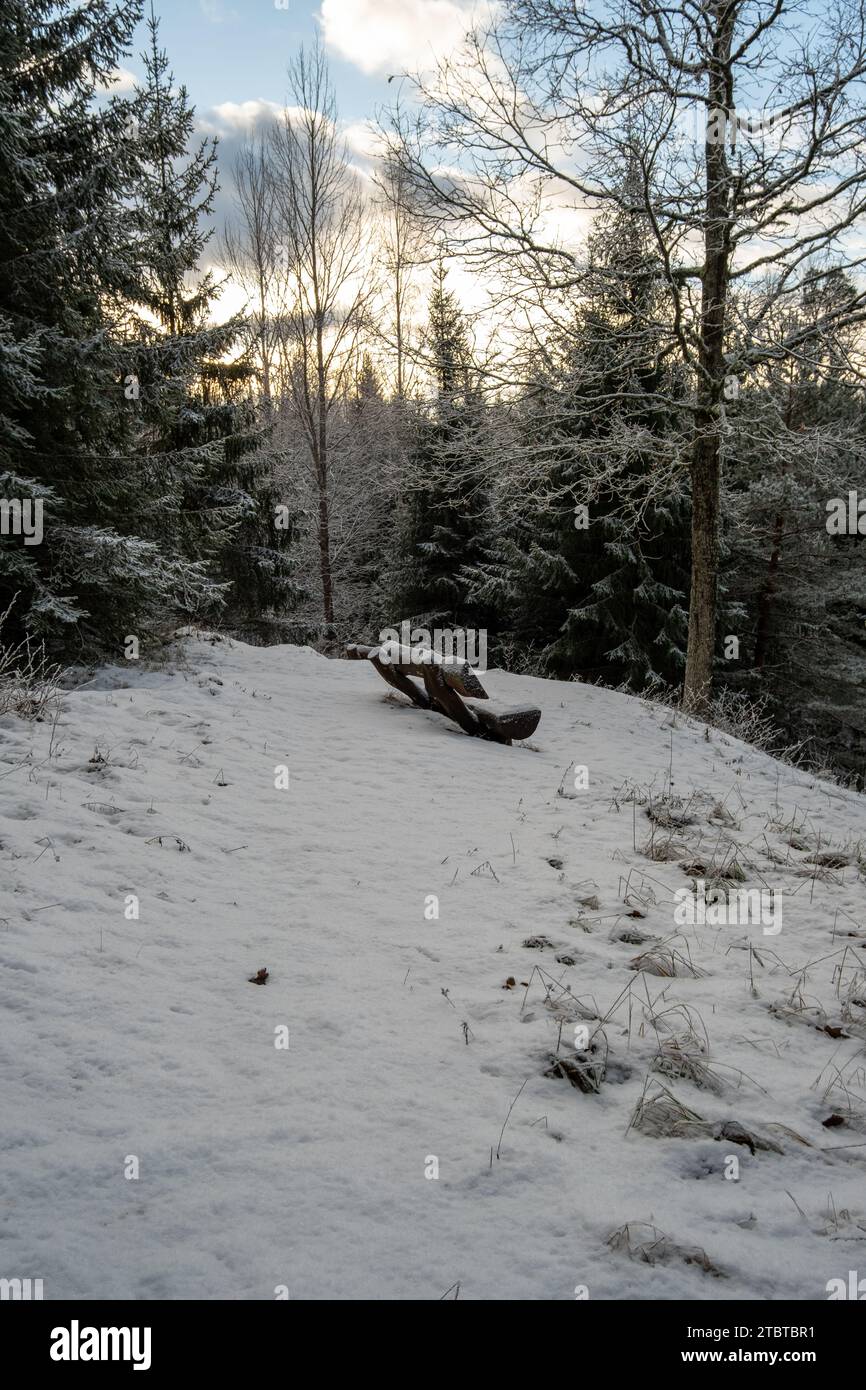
x,y
119,83
216,12
239,117
364,139
396,36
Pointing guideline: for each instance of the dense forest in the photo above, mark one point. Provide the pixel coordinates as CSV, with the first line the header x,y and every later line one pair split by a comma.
x,y
640,465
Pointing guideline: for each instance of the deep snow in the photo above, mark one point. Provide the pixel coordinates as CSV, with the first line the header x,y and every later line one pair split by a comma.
x,y
306,1168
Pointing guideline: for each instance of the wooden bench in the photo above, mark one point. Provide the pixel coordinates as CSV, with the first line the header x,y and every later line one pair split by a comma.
x,y
449,687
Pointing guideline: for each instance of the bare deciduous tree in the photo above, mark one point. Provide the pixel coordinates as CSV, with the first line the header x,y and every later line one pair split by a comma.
x,y
251,246
741,126
323,247
404,249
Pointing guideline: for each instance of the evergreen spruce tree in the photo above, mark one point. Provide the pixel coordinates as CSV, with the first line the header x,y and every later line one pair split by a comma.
x,y
444,513
196,414
370,443
632,624
589,589
67,268
797,438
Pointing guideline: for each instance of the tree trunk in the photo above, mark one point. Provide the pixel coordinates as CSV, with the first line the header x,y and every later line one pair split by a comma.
x,y
322,460
325,558
767,594
768,589
706,455
263,341
705,564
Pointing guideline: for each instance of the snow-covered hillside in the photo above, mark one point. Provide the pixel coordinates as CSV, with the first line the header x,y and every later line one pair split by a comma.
x,y
312,1167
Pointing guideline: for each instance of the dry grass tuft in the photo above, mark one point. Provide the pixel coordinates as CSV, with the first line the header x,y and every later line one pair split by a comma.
x,y
666,850
662,1116
29,682
684,1059
668,963
642,1241
585,1070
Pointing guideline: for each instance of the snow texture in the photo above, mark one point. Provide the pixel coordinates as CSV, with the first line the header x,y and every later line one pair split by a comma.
x,y
311,1167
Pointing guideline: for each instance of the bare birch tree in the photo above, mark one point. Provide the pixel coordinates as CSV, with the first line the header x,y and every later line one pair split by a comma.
x,y
323,239
251,246
404,249
742,125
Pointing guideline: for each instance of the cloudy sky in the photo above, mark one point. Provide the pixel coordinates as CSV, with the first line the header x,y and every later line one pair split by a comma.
x,y
233,54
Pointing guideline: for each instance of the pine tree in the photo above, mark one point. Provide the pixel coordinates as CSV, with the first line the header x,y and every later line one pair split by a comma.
x,y
196,416
796,438
368,394
443,519
632,623
363,502
67,268
588,574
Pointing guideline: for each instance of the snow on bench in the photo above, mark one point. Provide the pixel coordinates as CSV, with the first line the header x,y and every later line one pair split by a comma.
x,y
444,682
458,675
511,721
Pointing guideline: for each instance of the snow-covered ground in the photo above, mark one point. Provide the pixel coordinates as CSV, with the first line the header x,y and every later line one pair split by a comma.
x,y
310,1168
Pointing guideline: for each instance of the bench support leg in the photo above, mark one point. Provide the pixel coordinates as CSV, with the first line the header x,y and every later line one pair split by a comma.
x,y
448,702
402,683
